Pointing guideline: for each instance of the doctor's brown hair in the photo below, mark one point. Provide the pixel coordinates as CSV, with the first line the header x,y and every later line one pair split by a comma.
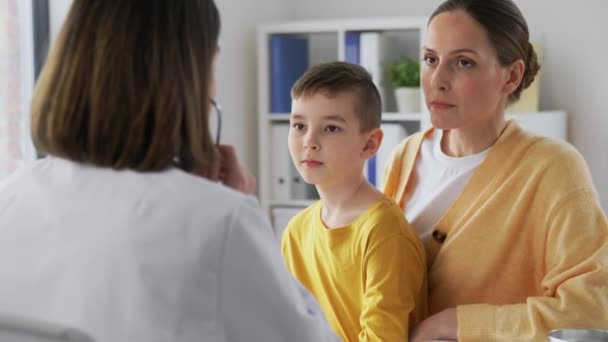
x,y
126,85
507,30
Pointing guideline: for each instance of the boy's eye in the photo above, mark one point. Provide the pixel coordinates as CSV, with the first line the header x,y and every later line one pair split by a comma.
x,y
430,60
298,126
332,128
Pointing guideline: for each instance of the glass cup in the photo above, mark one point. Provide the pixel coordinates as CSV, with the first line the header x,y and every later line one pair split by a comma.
x,y
578,335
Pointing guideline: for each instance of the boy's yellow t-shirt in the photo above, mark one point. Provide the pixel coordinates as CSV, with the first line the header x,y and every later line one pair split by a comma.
x,y
369,277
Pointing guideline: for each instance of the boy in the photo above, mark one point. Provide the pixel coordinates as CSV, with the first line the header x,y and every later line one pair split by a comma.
x,y
353,249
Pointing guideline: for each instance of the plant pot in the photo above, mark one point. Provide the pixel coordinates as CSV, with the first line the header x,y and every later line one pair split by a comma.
x,y
408,99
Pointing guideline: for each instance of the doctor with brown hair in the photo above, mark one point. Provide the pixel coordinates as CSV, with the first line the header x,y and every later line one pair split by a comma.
x,y
114,233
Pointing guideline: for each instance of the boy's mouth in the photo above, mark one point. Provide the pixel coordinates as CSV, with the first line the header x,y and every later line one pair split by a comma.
x,y
311,163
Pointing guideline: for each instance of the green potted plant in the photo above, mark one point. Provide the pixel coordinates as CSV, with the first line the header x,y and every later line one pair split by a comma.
x,y
405,79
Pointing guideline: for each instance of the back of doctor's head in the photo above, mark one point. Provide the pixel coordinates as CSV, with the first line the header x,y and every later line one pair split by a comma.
x,y
127,84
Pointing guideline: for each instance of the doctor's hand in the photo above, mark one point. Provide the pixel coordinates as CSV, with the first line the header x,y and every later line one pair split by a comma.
x,y
440,326
229,171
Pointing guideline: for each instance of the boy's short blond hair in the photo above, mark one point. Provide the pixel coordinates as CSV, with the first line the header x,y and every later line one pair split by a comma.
x,y
341,77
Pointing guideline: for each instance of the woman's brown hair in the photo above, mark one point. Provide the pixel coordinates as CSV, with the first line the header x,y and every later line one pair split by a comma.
x,y
507,30
126,85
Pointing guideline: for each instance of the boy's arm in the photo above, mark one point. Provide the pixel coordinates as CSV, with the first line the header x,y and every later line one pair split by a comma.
x,y
394,276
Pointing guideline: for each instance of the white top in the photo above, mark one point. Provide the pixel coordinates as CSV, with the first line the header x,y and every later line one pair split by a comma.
x,y
440,179
133,257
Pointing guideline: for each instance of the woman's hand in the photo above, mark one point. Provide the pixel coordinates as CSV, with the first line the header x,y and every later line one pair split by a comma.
x,y
229,171
232,173
441,326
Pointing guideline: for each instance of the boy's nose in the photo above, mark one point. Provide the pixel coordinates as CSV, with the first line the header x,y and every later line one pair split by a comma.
x,y
311,142
312,146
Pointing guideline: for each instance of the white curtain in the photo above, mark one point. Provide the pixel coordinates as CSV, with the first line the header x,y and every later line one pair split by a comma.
x,y
16,83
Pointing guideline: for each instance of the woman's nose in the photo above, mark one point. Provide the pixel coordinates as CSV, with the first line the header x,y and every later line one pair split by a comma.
x,y
440,78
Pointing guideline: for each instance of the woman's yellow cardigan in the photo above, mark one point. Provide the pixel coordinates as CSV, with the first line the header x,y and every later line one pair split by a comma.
x,y
526,248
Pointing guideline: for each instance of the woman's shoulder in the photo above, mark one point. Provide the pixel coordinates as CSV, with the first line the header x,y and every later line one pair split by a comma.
x,y
201,196
544,150
172,190
520,139
213,205
27,173
554,161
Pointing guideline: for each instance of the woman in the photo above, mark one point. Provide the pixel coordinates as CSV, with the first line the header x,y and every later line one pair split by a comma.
x,y
517,243
113,233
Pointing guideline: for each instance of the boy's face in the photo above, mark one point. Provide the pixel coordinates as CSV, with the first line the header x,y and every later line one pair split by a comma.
x,y
325,139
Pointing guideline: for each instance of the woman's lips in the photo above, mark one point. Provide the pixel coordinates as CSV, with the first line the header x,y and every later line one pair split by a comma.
x,y
439,105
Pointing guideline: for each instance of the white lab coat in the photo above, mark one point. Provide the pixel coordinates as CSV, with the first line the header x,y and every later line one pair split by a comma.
x,y
145,257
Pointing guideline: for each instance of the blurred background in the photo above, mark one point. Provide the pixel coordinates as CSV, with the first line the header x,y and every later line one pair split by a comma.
x,y
572,34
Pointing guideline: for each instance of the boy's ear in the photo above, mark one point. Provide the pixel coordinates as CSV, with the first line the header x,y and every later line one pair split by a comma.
x,y
374,139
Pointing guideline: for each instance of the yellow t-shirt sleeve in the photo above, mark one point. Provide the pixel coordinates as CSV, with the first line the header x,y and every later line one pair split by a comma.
x,y
394,276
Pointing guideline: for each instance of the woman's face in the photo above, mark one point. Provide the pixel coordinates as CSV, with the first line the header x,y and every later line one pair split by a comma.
x,y
463,82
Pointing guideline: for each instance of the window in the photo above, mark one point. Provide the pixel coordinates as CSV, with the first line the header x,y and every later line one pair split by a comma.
x,y
23,40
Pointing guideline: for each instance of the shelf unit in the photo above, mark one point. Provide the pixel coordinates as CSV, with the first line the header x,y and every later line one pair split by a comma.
x,y
402,36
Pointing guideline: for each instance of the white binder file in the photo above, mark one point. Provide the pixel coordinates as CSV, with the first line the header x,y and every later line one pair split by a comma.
x,y
281,167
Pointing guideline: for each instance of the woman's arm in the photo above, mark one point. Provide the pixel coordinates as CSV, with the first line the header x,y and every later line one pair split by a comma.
x,y
229,171
441,326
575,282
575,285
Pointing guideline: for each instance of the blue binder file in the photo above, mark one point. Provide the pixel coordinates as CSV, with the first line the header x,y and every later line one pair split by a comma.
x,y
351,47
371,170
288,61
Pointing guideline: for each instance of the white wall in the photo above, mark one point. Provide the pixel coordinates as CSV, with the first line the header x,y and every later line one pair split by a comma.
x,y
574,75
362,8
58,9
236,73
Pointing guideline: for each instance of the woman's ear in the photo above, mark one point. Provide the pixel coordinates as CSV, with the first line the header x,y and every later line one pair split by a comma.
x,y
374,139
515,76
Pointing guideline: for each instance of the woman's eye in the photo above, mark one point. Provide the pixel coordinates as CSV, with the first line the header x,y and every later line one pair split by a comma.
x,y
463,63
430,60
333,129
298,126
